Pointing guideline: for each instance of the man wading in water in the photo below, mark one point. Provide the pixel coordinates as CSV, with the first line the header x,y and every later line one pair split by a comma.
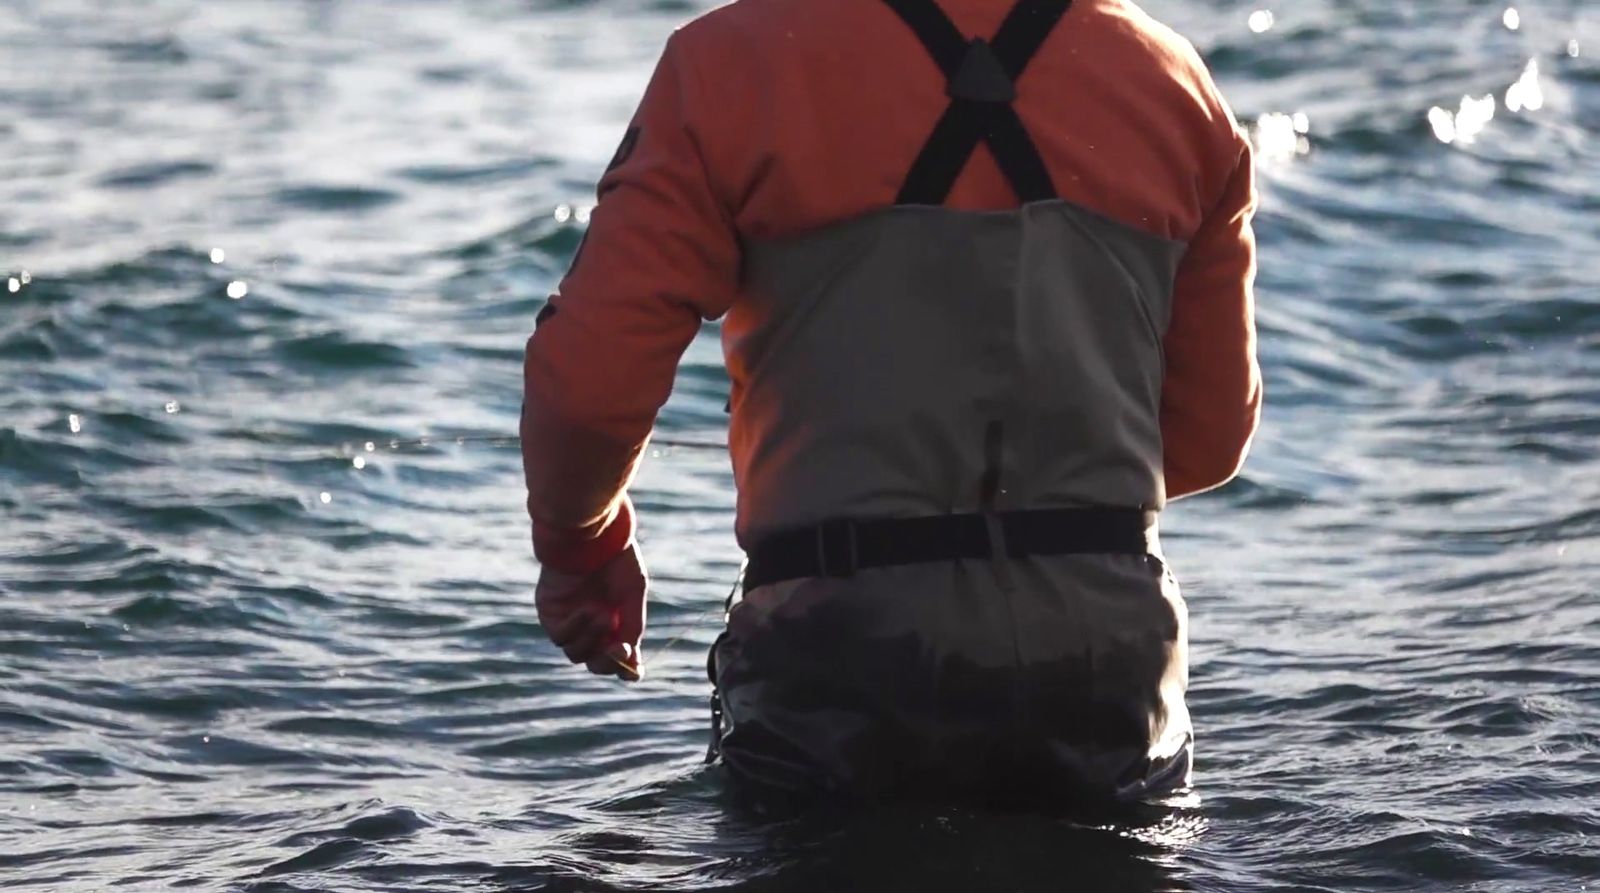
x,y
984,269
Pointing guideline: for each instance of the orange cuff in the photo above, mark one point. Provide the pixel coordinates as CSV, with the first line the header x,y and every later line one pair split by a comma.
x,y
582,552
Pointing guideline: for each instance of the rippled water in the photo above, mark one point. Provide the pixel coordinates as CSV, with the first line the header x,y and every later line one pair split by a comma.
x,y
248,643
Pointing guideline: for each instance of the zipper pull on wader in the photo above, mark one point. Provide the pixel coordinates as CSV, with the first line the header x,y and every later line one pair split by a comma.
x,y
714,750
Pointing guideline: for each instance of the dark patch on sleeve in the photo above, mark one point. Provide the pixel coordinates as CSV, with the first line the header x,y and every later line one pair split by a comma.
x,y
578,254
630,141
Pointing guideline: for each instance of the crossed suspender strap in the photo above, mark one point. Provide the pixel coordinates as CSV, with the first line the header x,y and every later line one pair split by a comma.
x,y
981,78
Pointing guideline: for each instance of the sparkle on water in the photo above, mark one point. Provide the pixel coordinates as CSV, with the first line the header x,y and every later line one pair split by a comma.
x,y
74,423
238,289
1512,18
13,285
172,407
1526,94
1281,137
1262,20
218,255
579,214
1463,125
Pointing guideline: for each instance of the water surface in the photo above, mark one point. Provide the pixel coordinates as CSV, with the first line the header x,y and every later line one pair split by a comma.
x,y
248,640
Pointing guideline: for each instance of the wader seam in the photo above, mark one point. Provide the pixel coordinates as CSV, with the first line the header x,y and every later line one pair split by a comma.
x,y
994,461
1008,402
1140,299
794,322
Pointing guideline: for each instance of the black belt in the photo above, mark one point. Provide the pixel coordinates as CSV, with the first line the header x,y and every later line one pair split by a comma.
x,y
840,548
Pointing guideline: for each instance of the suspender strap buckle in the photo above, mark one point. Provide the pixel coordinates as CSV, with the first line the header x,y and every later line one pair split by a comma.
x,y
981,78
981,81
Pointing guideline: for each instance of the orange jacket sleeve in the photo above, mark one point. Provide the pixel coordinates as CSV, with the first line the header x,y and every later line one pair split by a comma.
x,y
1211,396
660,256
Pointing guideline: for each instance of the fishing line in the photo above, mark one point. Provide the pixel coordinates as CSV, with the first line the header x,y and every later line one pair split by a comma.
x,y
501,440
513,440
693,623
644,669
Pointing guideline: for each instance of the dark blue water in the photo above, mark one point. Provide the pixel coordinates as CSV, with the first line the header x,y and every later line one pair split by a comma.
x,y
248,641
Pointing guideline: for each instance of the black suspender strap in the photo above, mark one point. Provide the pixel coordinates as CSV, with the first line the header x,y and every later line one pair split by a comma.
x,y
944,40
1024,31
981,82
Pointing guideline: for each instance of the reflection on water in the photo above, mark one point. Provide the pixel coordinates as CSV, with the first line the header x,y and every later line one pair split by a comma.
x,y
1466,123
900,848
1475,113
1526,92
1278,137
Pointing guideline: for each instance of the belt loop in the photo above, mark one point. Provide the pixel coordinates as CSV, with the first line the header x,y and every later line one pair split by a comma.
x,y
994,526
1152,534
826,568
999,553
714,749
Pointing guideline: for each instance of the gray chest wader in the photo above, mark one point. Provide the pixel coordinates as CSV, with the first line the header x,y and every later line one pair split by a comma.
x,y
1001,529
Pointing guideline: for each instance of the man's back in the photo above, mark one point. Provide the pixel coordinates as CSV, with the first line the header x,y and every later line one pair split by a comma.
x,y
986,277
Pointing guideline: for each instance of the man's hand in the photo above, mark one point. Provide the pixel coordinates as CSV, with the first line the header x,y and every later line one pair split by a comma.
x,y
597,619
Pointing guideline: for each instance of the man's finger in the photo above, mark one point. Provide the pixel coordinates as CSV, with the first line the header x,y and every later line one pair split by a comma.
x,y
580,636
606,665
610,666
585,647
619,660
565,630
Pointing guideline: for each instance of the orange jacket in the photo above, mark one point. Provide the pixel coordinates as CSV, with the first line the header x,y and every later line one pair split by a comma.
x,y
771,118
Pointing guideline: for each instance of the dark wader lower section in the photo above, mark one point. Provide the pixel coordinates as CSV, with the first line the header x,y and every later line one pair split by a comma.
x,y
1062,685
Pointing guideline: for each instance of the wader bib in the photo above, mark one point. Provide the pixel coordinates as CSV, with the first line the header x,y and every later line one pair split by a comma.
x,y
954,584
